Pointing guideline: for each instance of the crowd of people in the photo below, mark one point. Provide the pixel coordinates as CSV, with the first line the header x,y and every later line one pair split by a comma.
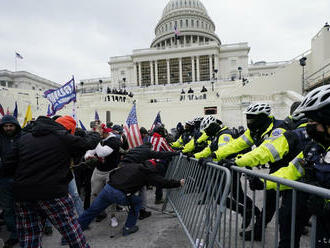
x,y
53,174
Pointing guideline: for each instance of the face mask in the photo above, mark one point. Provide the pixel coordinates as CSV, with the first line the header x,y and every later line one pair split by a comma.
x,y
255,124
319,137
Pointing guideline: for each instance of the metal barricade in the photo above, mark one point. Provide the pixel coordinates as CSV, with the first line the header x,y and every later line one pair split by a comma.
x,y
270,202
200,204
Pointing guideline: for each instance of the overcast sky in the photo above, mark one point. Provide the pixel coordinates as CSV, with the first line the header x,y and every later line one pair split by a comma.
x,y
60,38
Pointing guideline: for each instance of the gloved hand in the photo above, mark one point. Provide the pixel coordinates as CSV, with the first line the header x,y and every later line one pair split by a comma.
x,y
203,162
214,146
256,184
317,205
189,156
227,163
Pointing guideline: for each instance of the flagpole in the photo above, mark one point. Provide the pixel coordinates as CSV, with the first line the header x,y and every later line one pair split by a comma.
x,y
15,62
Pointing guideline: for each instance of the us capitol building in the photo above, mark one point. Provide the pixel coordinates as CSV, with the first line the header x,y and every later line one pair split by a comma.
x,y
186,72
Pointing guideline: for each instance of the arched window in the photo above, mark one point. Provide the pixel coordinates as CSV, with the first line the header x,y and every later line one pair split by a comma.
x,y
181,23
187,23
166,27
192,23
197,23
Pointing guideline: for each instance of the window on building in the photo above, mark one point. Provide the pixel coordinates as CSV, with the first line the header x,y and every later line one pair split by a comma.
x,y
233,62
175,24
192,23
210,110
181,23
122,73
187,23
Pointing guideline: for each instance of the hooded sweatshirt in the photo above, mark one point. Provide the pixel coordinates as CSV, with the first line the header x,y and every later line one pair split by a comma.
x,y
6,142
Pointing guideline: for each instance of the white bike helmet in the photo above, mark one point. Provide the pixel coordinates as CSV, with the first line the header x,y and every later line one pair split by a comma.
x,y
258,108
207,121
190,123
315,100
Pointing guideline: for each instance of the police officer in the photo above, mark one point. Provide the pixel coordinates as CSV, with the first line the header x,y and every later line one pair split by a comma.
x,y
186,136
261,126
310,166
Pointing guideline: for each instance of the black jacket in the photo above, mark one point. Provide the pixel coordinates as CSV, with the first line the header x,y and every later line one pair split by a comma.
x,y
6,142
143,152
131,177
41,160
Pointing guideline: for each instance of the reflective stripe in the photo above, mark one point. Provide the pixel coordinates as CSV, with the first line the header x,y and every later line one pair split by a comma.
x,y
222,144
273,151
298,163
247,141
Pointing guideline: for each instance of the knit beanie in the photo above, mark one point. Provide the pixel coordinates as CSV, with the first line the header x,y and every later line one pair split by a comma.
x,y
68,122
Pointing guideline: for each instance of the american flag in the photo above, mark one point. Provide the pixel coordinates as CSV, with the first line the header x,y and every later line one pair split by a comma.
x,y
176,32
157,122
132,130
159,144
19,56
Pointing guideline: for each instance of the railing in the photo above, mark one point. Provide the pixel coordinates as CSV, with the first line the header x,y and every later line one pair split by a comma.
x,y
211,217
200,204
318,77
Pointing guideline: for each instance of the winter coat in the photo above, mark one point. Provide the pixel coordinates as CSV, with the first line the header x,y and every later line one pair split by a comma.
x,y
6,142
131,177
41,160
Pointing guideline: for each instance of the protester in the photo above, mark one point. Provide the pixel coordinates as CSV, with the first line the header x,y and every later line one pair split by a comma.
x,y
40,161
10,131
123,183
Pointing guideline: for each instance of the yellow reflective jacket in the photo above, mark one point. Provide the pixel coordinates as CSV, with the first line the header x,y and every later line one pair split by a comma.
x,y
178,143
190,146
223,139
293,171
243,142
271,150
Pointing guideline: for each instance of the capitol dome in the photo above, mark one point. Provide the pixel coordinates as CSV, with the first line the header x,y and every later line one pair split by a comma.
x,y
192,21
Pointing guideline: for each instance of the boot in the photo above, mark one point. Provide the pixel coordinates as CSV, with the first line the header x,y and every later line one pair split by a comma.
x,y
144,214
248,234
129,230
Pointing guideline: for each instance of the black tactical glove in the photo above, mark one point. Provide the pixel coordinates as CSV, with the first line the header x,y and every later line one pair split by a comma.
x,y
256,184
227,163
318,205
214,146
203,162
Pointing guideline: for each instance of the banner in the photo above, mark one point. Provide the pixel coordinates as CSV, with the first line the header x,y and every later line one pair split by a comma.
x,y
60,97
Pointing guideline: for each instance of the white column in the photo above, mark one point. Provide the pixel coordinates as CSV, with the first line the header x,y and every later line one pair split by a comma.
x,y
156,72
211,66
197,65
135,74
193,69
171,42
140,74
6,84
184,40
151,74
180,70
168,71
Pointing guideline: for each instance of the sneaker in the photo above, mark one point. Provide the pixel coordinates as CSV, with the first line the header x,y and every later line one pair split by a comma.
x,y
100,217
114,222
144,214
248,235
161,201
10,243
48,230
130,230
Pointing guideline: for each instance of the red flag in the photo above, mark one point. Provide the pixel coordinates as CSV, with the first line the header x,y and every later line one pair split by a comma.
x,y
8,113
132,130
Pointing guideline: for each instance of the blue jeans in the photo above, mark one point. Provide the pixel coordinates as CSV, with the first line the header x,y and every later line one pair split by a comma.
x,y
7,203
73,191
106,197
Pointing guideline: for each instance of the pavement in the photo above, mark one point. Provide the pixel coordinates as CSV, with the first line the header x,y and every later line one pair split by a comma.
x,y
157,231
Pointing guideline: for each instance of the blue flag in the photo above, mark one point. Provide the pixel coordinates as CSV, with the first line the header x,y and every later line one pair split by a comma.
x,y
15,111
97,117
82,126
60,97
